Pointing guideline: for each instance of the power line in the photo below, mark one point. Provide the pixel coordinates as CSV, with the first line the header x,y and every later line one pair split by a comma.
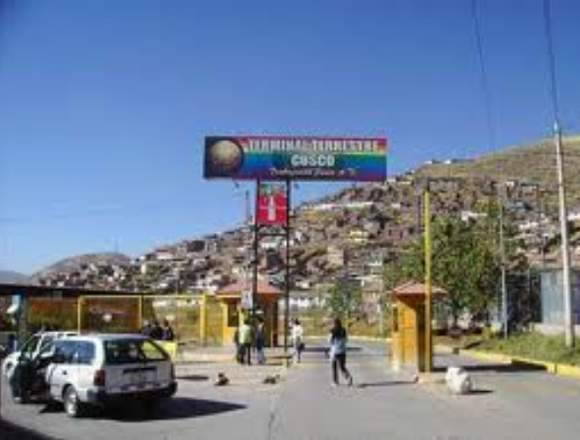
x,y
492,141
483,76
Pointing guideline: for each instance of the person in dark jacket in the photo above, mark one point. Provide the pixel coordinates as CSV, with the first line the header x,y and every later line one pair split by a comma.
x,y
147,329
239,353
260,343
338,339
156,331
167,333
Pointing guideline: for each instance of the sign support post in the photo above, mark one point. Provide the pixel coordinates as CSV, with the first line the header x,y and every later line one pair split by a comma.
x,y
287,283
256,250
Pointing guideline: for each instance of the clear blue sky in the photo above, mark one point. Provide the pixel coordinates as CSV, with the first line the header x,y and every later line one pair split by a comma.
x,y
104,104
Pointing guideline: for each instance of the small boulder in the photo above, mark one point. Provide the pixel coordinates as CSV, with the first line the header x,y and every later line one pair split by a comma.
x,y
458,381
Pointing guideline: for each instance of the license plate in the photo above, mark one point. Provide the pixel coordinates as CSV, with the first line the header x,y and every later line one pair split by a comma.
x,y
138,378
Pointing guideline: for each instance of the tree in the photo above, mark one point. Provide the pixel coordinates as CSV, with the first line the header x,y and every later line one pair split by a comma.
x,y
345,300
466,264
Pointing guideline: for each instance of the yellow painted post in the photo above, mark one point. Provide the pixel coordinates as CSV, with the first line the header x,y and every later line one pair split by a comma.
x,y
79,314
224,305
203,320
428,284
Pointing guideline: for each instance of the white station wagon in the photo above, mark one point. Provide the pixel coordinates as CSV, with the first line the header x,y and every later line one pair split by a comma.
x,y
104,369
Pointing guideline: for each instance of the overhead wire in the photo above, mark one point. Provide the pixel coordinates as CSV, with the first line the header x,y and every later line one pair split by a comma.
x,y
483,76
492,145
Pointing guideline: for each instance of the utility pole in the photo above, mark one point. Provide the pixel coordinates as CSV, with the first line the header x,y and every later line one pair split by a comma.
x,y
567,291
428,282
504,294
566,288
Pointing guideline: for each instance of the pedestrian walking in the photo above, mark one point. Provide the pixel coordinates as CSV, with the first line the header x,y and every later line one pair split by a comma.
x,y
156,331
147,329
246,342
338,339
236,341
260,343
297,340
12,345
167,333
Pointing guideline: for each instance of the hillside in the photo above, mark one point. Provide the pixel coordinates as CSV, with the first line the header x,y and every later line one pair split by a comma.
x,y
11,277
352,232
77,263
534,163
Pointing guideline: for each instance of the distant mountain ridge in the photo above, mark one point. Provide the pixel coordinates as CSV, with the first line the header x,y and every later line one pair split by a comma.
x,y
74,264
11,277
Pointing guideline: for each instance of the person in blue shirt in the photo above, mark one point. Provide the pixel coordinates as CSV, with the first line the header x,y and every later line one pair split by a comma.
x,y
338,339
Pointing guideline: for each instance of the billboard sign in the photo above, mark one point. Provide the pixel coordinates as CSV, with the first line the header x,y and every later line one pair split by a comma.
x,y
272,204
295,157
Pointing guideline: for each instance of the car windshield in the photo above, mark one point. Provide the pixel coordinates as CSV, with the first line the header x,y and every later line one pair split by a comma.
x,y
129,351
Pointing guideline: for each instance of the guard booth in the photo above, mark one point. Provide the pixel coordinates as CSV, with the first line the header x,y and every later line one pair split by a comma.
x,y
234,315
408,325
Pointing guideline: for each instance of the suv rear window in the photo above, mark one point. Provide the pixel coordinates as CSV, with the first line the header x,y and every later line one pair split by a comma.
x,y
131,351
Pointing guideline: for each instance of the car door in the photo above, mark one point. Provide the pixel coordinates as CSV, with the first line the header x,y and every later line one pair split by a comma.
x,y
60,372
30,347
84,365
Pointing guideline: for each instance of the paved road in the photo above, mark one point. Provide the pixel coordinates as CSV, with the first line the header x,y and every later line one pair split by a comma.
x,y
509,404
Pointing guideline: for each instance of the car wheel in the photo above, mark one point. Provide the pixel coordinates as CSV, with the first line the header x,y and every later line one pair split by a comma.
x,y
72,405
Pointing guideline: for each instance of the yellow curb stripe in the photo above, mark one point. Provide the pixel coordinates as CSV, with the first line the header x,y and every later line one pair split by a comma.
x,y
564,370
568,371
550,367
493,357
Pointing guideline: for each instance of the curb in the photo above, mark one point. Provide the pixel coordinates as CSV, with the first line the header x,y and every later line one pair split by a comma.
x,y
568,371
485,356
564,370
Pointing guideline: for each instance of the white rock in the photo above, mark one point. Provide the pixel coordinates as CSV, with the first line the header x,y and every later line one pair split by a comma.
x,y
458,380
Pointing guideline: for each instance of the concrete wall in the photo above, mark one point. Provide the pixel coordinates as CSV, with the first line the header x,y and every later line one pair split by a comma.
x,y
553,329
551,298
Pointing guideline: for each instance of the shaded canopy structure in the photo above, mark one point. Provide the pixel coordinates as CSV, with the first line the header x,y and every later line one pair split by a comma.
x,y
416,289
235,290
230,297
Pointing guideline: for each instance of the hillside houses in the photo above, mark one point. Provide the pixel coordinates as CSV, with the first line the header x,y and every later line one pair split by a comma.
x,y
329,236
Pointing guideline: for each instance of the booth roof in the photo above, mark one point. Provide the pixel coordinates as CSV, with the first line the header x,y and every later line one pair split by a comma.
x,y
414,288
238,287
